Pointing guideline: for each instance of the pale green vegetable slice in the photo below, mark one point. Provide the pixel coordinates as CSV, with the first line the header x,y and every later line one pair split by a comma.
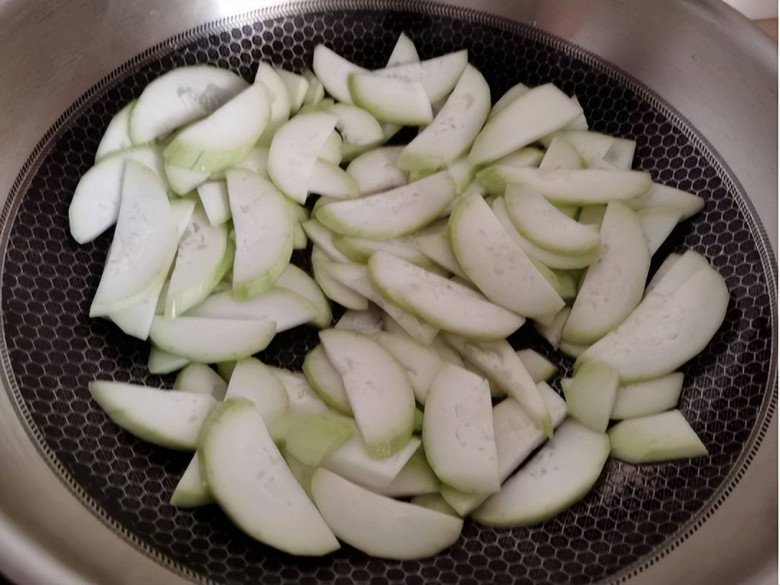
x,y
407,531
441,302
453,130
203,258
438,75
294,151
657,223
296,280
329,180
225,137
458,431
168,419
144,243
675,271
516,438
297,87
263,225
433,502
310,438
322,237
334,289
592,215
544,224
325,380
390,214
667,329
356,277
256,161
214,198
368,321
377,387
316,91
539,367
391,99
561,155
136,320
537,113
550,259
445,351
655,438
201,379
504,368
404,51
590,146
179,97
98,195
613,286
497,176
663,196
211,340
581,186
191,491
359,249
253,485
359,130
422,362
284,307
280,99
163,362
377,170
415,478
434,243
496,264
334,71
590,394
552,331
331,151
182,180
253,380
300,396
571,349
353,461
509,96
183,209
647,398
117,134
558,476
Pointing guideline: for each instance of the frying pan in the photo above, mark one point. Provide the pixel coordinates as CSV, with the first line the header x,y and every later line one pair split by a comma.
x,y
81,501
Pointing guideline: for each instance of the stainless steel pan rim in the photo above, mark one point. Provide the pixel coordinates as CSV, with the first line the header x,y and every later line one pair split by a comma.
x,y
767,409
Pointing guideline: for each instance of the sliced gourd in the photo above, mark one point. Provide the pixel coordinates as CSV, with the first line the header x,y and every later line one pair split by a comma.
x,y
334,71
163,362
353,461
322,237
253,485
325,380
458,431
590,394
557,477
441,302
331,151
516,438
657,223
300,396
297,86
263,225
201,379
456,125
422,362
359,130
368,321
655,438
294,151
296,280
179,97
407,531
438,75
544,224
391,99
334,289
415,478
280,99
253,380
647,398
497,176
310,438
144,243
434,243
117,134
536,113
662,196
191,491
538,367
182,180
214,198
98,196
613,286
504,368
552,331
136,320
329,180
390,214
168,419
211,340
377,170
561,154
225,137
492,261
582,186
361,249
509,96
377,387
667,329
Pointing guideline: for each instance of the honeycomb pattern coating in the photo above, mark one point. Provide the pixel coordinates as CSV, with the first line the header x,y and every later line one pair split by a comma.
x,y
55,349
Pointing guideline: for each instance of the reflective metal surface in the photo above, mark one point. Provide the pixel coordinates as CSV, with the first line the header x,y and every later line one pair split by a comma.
x,y
701,57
